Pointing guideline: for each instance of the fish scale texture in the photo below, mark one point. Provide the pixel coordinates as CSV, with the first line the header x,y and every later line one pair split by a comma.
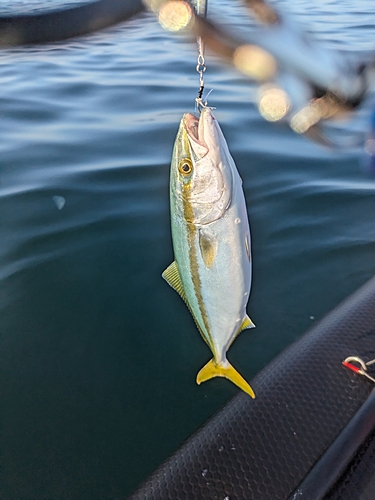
x,y
262,449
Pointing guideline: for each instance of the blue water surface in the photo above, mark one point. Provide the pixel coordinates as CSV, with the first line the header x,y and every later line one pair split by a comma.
x,y
98,355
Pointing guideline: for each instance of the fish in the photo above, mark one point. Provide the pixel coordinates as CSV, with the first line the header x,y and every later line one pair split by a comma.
x,y
212,263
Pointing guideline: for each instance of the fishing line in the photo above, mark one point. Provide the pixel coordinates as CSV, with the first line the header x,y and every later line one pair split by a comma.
x,y
200,7
201,68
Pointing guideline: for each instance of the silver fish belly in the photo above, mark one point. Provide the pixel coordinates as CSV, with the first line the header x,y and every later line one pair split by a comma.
x,y
211,240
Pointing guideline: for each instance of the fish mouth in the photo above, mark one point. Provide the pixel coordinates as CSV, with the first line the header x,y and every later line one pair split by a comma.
x,y
192,126
195,131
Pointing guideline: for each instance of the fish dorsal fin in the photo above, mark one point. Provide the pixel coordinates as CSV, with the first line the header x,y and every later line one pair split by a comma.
x,y
172,277
246,323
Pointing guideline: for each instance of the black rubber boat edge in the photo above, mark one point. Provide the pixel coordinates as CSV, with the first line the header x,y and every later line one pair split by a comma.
x,y
55,26
333,463
265,448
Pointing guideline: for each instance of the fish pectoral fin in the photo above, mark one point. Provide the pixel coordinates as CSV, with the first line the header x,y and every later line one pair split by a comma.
x,y
212,369
208,247
172,277
246,323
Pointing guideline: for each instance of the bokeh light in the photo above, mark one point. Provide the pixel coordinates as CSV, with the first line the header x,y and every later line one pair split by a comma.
x,y
273,103
175,15
254,62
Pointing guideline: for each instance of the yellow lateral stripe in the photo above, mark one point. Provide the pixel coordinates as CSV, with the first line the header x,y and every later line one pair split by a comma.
x,y
191,232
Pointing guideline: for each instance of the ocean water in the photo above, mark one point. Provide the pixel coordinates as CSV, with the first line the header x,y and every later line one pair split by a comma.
x,y
98,355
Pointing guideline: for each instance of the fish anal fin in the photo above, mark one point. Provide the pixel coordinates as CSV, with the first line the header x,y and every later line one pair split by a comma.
x,y
212,369
172,277
246,323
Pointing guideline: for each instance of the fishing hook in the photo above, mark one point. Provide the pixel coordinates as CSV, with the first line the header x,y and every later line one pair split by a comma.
x,y
201,104
361,369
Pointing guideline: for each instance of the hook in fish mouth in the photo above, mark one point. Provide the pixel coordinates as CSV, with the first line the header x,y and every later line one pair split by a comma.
x,y
198,128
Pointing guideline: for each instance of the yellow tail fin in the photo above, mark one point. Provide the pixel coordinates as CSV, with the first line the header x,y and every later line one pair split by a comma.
x,y
212,369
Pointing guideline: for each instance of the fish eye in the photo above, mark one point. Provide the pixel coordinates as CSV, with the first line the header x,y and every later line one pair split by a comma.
x,y
185,166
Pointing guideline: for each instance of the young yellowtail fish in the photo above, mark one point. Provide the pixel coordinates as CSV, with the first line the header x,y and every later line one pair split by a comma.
x,y
211,240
